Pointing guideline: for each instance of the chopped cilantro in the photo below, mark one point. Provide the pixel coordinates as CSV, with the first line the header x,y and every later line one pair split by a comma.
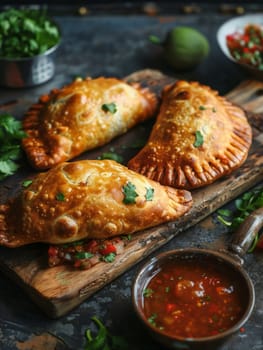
x,y
109,257
109,107
83,255
199,139
202,108
129,193
152,319
27,183
60,197
149,193
147,292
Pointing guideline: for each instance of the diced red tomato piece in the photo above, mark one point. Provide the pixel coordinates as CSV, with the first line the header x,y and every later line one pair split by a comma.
x,y
107,249
52,250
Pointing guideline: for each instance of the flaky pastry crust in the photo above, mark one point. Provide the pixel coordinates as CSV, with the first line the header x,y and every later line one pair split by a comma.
x,y
75,119
88,199
197,138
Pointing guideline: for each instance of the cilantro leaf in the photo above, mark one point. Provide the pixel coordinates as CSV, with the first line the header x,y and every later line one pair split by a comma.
x,y
148,292
83,255
109,257
244,206
199,139
11,134
104,340
129,193
109,107
149,193
60,197
27,183
7,168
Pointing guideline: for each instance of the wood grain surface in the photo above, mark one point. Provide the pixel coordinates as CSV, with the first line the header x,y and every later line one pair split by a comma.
x,y
59,289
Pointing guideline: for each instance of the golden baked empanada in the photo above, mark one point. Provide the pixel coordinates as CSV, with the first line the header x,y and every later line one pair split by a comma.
x,y
198,137
88,199
81,116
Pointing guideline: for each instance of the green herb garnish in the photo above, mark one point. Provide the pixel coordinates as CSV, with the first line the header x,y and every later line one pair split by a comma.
x,y
147,292
104,340
109,107
199,140
83,255
244,206
26,33
11,134
152,319
149,193
109,257
111,155
202,108
60,197
129,193
27,183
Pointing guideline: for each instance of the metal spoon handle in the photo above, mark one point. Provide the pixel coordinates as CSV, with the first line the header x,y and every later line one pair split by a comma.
x,y
246,233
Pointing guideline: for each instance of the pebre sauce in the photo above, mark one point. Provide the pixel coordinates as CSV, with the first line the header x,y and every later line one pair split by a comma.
x,y
193,298
247,47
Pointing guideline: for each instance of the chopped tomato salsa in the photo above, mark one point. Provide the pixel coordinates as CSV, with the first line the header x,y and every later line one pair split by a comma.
x,y
193,298
86,253
247,46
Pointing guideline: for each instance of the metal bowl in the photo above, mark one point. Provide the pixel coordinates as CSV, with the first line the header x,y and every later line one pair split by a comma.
x,y
237,24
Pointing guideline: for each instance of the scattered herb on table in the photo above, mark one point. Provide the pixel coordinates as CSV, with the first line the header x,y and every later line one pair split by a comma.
x,y
111,155
26,33
244,206
139,143
104,340
11,134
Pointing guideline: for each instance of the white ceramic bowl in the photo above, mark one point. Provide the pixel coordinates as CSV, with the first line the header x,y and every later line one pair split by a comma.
x,y
233,25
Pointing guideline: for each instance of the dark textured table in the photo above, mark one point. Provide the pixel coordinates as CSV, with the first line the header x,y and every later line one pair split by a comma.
x,y
115,43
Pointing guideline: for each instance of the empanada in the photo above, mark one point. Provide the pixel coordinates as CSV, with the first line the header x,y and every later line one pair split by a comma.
x,y
197,138
81,116
88,199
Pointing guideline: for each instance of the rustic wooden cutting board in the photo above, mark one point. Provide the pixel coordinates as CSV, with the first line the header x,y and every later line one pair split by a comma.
x,y
59,289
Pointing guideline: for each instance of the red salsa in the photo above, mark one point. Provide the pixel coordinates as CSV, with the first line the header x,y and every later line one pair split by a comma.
x,y
86,253
193,298
247,46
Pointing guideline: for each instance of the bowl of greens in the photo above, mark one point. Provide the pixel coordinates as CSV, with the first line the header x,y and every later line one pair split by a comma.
x,y
28,43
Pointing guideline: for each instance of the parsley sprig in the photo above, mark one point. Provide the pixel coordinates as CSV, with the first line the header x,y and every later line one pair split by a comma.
x,y
244,206
104,340
11,134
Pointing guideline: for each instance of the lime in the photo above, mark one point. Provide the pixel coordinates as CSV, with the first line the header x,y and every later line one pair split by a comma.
x,y
185,47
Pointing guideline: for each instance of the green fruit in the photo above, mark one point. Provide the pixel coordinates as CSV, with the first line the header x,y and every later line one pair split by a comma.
x,y
185,47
